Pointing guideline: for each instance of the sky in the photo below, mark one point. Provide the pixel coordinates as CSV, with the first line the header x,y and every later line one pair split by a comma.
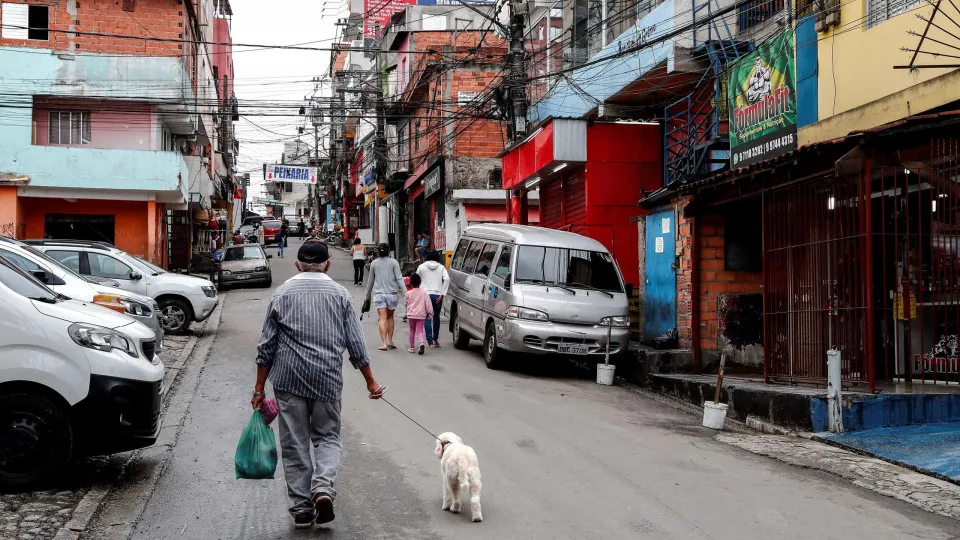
x,y
280,76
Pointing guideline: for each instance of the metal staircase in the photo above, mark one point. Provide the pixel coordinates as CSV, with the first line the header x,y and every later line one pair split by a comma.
x,y
695,127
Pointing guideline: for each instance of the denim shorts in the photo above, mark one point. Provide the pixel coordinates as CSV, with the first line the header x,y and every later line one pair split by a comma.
x,y
386,300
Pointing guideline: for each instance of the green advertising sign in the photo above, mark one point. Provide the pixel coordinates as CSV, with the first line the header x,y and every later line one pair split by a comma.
x,y
763,102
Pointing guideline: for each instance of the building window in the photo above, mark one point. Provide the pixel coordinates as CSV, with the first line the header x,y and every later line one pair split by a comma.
x,y
879,11
753,13
401,142
25,21
69,127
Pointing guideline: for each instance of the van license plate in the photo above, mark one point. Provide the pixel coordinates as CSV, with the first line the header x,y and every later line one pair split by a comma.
x,y
571,349
241,276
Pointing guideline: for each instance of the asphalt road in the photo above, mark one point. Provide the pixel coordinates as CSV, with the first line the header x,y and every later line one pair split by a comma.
x,y
561,457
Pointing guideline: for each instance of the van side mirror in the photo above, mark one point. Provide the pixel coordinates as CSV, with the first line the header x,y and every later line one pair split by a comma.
x,y
507,280
135,276
629,290
269,256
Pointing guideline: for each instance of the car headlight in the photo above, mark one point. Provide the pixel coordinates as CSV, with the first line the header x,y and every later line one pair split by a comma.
x,y
518,312
260,269
132,307
226,273
617,321
210,291
100,338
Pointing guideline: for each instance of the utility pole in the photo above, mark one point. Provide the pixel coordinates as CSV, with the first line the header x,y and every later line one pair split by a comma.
x,y
517,86
380,143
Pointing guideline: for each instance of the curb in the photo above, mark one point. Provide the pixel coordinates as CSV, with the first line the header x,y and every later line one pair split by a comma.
x,y
865,453
90,505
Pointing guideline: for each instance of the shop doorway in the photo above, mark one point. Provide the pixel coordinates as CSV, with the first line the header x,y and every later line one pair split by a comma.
x,y
100,228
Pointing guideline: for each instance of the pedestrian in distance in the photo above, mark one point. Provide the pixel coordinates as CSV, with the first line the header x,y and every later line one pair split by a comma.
x,y
436,281
238,238
310,322
302,229
281,237
419,310
358,252
423,246
384,285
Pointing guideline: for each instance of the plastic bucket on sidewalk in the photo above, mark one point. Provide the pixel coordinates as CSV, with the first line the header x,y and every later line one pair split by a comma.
x,y
714,415
605,374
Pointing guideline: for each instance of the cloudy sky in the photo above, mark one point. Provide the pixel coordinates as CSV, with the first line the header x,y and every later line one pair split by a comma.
x,y
276,76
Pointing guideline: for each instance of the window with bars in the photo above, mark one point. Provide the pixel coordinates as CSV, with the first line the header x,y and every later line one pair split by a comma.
x,y
753,13
879,11
69,127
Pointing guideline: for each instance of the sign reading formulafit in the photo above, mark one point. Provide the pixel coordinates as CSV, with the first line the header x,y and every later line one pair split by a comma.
x,y
291,173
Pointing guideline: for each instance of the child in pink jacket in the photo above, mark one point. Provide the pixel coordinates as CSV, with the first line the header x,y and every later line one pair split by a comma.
x,y
419,308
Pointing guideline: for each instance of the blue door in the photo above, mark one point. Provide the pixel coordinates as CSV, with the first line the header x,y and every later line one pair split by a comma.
x,y
660,287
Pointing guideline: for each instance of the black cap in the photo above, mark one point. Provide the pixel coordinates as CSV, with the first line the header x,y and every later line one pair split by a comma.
x,y
313,251
383,250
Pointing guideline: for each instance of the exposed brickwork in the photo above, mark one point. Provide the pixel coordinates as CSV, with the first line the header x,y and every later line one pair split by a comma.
x,y
163,19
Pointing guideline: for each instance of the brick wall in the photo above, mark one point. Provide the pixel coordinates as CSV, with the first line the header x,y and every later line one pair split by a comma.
x,y
163,19
714,278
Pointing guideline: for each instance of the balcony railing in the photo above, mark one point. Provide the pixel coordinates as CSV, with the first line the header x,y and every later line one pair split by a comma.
x,y
754,13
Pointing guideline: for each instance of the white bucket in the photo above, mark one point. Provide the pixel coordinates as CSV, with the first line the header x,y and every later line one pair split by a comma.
x,y
714,415
605,374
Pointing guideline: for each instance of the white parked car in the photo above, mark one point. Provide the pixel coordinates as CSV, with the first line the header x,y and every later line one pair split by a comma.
x,y
182,299
66,282
75,379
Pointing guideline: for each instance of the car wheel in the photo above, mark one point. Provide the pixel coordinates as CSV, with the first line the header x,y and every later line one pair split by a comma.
x,y
492,355
175,315
36,439
461,340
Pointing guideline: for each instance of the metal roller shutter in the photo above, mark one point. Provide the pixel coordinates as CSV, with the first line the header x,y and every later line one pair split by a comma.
x,y
551,207
575,204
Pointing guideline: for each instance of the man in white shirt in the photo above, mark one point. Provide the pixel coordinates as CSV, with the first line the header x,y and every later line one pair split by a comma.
x,y
436,281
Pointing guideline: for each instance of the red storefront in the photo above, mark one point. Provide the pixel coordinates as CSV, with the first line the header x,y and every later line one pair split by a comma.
x,y
588,173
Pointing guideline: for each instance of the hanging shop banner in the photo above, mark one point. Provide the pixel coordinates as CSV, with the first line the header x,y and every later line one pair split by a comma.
x,y
433,181
763,103
380,11
291,173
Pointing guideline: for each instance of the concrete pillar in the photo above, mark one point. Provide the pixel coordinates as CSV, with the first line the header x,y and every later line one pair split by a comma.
x,y
10,221
151,253
519,207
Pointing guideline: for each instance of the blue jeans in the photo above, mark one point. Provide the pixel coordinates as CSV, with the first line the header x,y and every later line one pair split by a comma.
x,y
280,240
433,325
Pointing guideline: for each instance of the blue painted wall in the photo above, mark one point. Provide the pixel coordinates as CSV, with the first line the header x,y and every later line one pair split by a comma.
x,y
807,70
864,411
599,81
660,288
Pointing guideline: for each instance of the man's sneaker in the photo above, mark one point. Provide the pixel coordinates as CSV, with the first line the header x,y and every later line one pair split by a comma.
x,y
304,520
324,507
422,347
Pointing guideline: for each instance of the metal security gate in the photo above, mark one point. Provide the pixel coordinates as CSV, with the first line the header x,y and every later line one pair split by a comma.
x,y
178,240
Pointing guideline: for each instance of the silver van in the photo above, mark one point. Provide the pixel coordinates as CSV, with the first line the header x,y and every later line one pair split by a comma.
x,y
535,290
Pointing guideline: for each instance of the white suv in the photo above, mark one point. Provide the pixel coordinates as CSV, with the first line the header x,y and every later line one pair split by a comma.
x,y
75,379
182,299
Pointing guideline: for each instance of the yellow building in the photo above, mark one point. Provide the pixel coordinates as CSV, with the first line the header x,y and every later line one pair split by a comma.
x,y
864,61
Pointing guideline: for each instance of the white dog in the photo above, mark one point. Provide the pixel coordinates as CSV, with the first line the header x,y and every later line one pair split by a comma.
x,y
459,469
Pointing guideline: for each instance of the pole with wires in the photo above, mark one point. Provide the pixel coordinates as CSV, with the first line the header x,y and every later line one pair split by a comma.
x,y
380,145
517,89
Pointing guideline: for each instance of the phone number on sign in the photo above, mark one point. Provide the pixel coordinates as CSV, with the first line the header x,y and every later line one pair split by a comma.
x,y
766,147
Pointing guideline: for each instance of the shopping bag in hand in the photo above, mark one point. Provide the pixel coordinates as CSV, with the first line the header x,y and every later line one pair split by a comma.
x,y
256,456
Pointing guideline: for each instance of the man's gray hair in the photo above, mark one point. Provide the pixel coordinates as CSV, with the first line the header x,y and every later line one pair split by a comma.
x,y
312,267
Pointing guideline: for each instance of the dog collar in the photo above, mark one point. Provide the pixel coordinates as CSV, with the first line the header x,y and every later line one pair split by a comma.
x,y
443,445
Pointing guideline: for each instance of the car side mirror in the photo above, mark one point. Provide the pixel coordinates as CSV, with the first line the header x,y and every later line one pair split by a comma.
x,y
269,256
42,276
507,280
135,276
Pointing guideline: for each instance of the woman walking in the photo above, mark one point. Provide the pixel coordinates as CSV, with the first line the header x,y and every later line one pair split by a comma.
x,y
281,237
384,285
419,310
358,253
436,281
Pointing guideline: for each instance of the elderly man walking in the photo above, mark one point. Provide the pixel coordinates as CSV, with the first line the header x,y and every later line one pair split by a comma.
x,y
310,321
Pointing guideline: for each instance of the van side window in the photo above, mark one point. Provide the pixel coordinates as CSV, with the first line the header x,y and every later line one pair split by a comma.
x,y
485,263
503,263
473,253
461,253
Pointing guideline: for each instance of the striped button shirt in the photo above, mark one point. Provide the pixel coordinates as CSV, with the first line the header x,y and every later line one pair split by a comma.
x,y
309,323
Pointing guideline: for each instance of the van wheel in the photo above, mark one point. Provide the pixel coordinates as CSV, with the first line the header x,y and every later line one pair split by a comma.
x,y
36,439
461,340
175,315
492,355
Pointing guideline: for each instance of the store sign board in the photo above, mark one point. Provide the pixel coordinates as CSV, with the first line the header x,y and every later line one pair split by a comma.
x,y
291,173
762,102
432,182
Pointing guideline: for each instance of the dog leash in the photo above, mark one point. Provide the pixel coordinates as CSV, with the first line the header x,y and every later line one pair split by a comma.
x,y
408,417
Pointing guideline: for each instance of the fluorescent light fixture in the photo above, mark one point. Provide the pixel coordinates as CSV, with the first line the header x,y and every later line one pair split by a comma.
x,y
831,203
559,167
533,182
933,206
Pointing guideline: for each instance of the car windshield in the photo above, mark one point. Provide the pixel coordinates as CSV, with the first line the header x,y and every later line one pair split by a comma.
x,y
246,253
24,284
36,252
568,267
271,224
152,267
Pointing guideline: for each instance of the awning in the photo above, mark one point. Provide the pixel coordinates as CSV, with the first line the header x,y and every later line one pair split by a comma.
x,y
559,143
495,213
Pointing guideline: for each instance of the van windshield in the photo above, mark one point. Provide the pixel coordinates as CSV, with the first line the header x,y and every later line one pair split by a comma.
x,y
25,285
568,267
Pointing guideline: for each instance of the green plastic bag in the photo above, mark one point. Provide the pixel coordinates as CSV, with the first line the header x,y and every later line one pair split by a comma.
x,y
256,456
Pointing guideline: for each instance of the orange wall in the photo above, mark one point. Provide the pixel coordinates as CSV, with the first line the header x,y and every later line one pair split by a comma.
x,y
130,219
10,217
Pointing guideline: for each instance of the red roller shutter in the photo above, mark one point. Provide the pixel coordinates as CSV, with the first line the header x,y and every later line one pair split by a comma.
x,y
575,204
551,205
